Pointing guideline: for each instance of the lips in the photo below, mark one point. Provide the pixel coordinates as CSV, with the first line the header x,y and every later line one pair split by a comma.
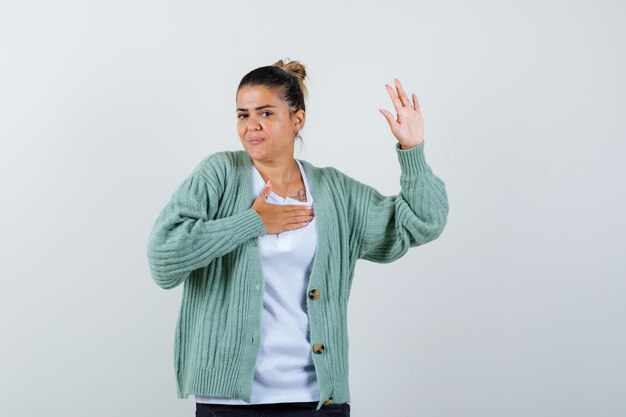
x,y
254,141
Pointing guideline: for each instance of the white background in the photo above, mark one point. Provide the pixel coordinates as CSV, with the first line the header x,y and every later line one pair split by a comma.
x,y
516,310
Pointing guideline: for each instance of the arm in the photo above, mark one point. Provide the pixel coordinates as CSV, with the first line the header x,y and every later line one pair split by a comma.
x,y
392,225
417,215
185,235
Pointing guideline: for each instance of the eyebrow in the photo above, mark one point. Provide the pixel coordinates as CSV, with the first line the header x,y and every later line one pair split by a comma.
x,y
257,108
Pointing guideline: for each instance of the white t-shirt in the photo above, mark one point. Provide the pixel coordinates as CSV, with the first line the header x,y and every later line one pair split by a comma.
x,y
284,367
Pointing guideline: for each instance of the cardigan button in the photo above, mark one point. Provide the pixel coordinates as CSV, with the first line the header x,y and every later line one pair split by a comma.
x,y
318,348
314,294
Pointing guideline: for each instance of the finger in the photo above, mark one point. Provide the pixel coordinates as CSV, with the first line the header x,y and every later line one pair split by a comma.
x,y
389,118
297,207
267,189
305,219
298,216
403,97
397,104
416,103
294,226
298,220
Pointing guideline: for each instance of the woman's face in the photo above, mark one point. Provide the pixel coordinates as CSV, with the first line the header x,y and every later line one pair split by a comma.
x,y
264,125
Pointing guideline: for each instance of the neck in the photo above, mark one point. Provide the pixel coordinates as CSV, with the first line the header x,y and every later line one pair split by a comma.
x,y
279,170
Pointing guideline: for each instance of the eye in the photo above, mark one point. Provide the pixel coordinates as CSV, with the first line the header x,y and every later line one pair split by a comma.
x,y
244,115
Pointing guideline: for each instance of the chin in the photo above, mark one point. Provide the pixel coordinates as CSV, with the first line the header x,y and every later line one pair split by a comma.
x,y
255,153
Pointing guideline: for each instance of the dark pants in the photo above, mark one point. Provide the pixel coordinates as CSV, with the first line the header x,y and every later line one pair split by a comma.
x,y
306,409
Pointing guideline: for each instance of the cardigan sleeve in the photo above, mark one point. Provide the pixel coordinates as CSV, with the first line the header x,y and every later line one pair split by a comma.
x,y
417,215
186,236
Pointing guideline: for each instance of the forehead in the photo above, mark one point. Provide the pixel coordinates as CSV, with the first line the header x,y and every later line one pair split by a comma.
x,y
257,95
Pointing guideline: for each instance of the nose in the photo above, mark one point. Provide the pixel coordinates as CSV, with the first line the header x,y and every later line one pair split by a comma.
x,y
253,124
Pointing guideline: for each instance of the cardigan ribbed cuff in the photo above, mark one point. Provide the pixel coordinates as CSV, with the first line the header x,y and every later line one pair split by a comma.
x,y
412,160
250,221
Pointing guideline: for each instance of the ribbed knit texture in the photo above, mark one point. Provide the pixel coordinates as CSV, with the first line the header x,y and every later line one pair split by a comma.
x,y
205,238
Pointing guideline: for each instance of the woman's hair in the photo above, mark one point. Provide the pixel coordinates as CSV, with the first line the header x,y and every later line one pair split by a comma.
x,y
286,77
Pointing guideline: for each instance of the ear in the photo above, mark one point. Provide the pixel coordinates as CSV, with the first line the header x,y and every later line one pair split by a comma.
x,y
299,118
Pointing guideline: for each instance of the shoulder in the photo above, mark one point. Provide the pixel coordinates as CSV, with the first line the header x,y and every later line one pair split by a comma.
x,y
325,172
217,168
336,178
220,163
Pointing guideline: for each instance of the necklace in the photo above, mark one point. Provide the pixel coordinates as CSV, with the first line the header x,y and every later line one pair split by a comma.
x,y
287,188
290,178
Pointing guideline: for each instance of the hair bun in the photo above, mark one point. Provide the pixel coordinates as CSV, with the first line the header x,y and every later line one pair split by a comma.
x,y
295,69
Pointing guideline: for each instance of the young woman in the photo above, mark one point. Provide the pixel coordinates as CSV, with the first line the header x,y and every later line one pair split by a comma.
x,y
266,246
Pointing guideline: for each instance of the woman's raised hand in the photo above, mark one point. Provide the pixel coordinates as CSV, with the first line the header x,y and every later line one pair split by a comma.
x,y
408,126
279,218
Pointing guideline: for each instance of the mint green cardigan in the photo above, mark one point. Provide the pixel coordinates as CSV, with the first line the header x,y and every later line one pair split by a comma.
x,y
206,237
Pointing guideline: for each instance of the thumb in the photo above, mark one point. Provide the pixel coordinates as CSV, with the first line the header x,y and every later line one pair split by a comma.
x,y
389,118
267,189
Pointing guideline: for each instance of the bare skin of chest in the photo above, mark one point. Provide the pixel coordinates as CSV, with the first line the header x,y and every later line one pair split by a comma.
x,y
296,190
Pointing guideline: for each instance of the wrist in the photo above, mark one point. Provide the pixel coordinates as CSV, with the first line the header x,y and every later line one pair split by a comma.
x,y
407,146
